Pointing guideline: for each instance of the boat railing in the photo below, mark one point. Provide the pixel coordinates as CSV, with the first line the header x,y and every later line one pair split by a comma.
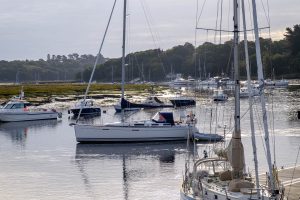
x,y
205,160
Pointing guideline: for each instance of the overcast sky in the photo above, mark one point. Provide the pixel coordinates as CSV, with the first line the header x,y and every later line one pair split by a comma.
x,y
30,29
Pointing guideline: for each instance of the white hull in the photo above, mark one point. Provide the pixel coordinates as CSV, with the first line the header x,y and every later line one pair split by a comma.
x,y
184,196
27,116
106,133
212,193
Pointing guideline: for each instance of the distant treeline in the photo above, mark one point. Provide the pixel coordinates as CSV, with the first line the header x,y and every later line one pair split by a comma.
x,y
280,58
56,67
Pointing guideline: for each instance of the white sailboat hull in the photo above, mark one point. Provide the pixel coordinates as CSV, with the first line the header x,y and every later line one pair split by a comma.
x,y
213,193
92,133
27,116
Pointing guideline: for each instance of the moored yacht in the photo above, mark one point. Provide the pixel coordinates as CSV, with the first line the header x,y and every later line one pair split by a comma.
x,y
224,176
161,127
87,108
219,95
244,91
150,102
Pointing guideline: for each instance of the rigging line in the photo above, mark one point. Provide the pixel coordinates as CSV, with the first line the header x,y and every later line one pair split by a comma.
x,y
242,117
201,12
150,18
128,28
157,35
97,59
228,18
273,129
294,171
229,58
216,124
266,15
229,31
205,120
138,65
268,9
215,36
251,23
129,45
148,23
259,123
152,35
223,116
221,19
197,10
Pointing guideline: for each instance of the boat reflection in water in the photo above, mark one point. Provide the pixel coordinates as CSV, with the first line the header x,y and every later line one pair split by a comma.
x,y
165,151
136,162
17,131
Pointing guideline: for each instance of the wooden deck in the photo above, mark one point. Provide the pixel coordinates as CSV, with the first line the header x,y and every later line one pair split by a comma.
x,y
290,178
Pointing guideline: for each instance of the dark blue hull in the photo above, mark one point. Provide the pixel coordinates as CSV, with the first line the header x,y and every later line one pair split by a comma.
x,y
86,111
127,104
183,102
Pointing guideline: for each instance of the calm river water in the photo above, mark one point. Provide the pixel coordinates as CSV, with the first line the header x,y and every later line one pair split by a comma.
x,y
42,160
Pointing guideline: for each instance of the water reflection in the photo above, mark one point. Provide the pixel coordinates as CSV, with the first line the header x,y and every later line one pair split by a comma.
x,y
161,150
17,131
90,119
126,154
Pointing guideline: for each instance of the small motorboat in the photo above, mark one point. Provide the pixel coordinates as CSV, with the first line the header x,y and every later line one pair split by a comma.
x,y
219,95
20,110
87,106
179,81
244,92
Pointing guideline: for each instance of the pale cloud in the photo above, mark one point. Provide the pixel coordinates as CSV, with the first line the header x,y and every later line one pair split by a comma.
x,y
32,28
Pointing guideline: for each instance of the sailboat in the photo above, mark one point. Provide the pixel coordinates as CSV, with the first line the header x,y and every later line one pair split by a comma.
x,y
87,107
227,179
162,127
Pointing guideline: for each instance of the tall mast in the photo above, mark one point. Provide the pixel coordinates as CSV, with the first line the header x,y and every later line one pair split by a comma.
x,y
250,97
260,78
235,149
123,48
237,128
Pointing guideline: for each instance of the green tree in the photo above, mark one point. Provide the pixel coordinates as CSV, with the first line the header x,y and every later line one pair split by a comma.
x,y
293,38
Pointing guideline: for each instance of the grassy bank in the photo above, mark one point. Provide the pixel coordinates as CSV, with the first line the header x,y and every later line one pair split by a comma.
x,y
60,89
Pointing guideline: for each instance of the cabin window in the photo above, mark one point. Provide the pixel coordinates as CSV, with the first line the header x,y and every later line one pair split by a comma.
x,y
216,196
8,106
17,106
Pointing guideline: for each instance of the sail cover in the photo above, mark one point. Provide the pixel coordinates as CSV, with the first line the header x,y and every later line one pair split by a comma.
x,y
164,117
235,155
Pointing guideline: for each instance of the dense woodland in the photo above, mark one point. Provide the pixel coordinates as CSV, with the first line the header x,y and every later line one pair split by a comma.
x,y
56,67
281,59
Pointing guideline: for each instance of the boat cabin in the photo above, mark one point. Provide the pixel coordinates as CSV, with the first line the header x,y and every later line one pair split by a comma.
x,y
16,105
219,95
86,103
164,117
